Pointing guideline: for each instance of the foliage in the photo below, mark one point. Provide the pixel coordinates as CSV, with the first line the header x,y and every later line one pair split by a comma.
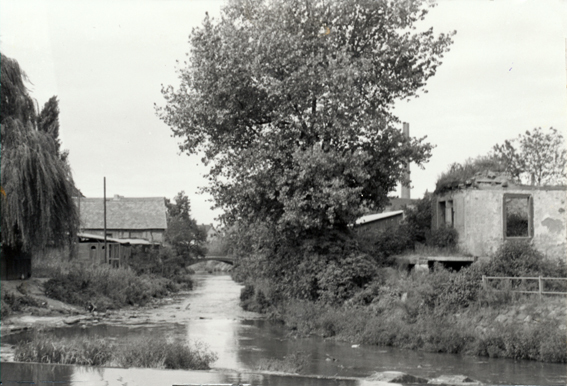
x,y
341,279
472,167
384,244
183,233
14,302
48,122
79,351
418,218
292,363
159,353
303,136
97,351
444,331
520,258
536,157
37,186
443,237
106,287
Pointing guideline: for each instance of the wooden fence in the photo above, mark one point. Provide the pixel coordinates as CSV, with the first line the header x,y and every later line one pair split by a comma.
x,y
524,285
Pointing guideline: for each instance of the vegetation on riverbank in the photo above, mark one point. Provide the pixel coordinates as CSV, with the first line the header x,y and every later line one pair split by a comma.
x,y
149,276
150,353
291,364
440,311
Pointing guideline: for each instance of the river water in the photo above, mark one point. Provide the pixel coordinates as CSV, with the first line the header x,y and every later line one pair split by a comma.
x,y
211,314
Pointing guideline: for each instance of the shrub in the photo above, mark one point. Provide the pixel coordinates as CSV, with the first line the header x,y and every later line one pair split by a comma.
x,y
418,219
383,245
443,237
106,287
247,292
340,280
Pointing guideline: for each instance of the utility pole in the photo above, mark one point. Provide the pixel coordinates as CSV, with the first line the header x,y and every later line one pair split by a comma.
x,y
104,205
406,190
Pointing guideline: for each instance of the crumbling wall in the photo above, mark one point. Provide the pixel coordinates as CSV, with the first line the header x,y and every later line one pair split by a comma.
x,y
550,230
483,232
484,220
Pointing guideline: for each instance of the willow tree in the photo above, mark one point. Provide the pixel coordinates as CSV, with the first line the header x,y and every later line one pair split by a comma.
x,y
290,102
37,187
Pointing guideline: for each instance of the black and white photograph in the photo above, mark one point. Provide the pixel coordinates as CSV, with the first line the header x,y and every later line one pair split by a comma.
x,y
283,192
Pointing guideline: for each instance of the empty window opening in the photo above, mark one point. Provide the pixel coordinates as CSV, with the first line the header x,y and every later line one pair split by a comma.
x,y
518,216
446,214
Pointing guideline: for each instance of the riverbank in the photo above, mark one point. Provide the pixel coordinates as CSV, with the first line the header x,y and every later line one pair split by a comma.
x,y
244,341
34,310
530,329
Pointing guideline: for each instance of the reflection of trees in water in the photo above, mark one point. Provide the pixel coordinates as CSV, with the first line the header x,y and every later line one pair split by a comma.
x,y
16,373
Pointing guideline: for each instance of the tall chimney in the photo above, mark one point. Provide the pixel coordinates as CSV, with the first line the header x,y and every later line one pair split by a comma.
x,y
406,191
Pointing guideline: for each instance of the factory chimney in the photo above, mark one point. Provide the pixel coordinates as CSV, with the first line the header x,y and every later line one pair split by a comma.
x,y
406,189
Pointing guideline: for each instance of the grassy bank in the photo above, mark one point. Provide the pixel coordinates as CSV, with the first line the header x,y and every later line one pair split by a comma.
x,y
82,283
150,353
477,331
439,311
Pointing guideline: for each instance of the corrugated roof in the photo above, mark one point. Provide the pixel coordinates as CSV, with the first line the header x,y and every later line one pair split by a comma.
x,y
124,213
378,216
91,236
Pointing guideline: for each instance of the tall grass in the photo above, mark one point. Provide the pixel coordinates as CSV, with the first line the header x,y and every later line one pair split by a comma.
x,y
292,363
400,325
104,286
147,353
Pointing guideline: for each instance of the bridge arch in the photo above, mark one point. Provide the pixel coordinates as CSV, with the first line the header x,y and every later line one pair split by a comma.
x,y
223,259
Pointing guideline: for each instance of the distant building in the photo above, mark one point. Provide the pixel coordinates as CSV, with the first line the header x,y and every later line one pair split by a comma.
x,y
211,232
396,203
126,217
380,221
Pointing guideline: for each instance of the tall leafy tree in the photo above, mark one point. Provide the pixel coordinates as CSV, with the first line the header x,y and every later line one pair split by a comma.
x,y
183,233
290,103
535,157
37,206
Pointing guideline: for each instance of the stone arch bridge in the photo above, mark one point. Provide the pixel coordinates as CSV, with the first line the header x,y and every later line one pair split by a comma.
x,y
223,259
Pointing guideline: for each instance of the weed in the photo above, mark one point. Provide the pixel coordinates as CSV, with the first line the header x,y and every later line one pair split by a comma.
x,y
292,363
149,353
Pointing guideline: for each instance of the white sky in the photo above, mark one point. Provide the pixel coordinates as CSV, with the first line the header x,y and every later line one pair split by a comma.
x,y
106,62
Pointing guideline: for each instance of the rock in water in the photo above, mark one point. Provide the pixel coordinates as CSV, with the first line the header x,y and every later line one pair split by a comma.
x,y
454,380
396,377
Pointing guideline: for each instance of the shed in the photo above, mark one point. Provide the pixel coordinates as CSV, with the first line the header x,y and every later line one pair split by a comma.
x,y
126,217
380,221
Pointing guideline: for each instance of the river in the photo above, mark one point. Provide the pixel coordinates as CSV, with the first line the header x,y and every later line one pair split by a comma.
x,y
211,314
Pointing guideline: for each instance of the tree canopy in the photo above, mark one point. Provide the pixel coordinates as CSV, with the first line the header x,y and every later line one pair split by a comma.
x,y
48,120
535,157
37,187
290,103
183,233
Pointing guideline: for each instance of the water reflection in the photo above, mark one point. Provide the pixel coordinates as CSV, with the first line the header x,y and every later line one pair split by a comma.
x,y
24,373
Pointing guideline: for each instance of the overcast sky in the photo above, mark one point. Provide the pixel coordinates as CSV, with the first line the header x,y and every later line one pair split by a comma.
x,y
106,62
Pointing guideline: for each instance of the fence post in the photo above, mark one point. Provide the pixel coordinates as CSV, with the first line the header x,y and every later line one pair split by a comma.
x,y
540,286
484,282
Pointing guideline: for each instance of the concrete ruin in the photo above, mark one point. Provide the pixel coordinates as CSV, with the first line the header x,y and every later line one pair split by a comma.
x,y
488,210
